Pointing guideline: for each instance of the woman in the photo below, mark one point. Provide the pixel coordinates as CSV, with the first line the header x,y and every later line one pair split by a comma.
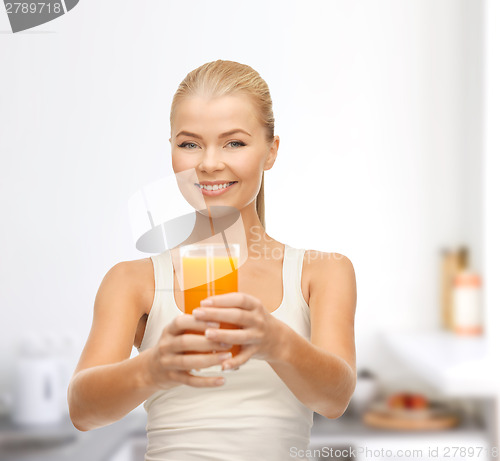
x,y
295,308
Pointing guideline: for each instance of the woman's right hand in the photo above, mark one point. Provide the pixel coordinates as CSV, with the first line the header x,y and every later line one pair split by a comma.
x,y
168,365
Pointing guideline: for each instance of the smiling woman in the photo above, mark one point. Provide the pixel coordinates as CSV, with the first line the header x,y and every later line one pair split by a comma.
x,y
294,309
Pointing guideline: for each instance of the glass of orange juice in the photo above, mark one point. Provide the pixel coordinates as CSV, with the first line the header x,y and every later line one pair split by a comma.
x,y
209,269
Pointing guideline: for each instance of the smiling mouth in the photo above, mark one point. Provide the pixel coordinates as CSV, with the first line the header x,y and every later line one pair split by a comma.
x,y
215,187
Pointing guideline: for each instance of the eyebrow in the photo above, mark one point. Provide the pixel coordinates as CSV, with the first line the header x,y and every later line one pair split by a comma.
x,y
223,135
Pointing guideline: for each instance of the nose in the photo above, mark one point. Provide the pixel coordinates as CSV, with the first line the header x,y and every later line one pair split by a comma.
x,y
211,161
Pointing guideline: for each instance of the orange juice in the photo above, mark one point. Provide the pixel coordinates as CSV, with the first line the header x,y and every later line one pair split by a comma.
x,y
207,275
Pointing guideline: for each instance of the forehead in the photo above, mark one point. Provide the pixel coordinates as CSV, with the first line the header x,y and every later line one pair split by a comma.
x,y
204,114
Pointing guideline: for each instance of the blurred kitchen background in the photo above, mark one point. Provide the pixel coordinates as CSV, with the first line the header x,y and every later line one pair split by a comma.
x,y
388,117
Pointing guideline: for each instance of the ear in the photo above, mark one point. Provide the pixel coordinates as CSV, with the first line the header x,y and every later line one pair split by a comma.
x,y
273,153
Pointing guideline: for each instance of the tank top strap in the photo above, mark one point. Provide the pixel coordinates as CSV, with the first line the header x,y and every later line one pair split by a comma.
x,y
292,274
161,264
166,284
159,314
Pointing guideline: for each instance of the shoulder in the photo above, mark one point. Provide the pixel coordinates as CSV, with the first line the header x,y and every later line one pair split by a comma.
x,y
134,278
133,271
320,261
329,271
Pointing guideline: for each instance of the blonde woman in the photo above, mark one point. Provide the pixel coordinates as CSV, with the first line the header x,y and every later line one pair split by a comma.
x,y
295,308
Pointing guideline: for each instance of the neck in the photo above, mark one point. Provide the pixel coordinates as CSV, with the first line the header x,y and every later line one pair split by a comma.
x,y
213,222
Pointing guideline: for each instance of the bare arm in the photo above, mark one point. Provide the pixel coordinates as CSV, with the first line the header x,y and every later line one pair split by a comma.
x,y
107,384
322,373
103,394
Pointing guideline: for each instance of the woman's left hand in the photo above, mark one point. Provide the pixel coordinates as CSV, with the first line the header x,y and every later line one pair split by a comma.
x,y
258,335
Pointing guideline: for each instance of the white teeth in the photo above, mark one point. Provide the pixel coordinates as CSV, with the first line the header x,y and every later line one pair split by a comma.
x,y
215,187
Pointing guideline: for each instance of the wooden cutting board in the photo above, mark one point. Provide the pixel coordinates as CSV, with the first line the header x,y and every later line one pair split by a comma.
x,y
406,421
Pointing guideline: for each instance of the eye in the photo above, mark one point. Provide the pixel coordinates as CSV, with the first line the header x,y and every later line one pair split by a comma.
x,y
184,144
239,143
231,143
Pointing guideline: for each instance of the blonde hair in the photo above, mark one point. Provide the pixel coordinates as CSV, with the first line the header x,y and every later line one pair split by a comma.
x,y
221,78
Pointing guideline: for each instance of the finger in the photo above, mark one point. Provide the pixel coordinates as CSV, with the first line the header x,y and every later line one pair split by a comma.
x,y
231,335
184,322
196,342
239,359
243,300
197,361
233,315
196,381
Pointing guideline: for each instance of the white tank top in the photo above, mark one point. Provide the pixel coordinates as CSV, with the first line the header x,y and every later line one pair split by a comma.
x,y
253,416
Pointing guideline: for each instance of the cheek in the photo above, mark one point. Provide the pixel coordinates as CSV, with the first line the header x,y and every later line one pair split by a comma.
x,y
247,168
181,162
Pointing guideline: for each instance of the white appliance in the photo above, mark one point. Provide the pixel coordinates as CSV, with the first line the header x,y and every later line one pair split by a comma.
x,y
37,396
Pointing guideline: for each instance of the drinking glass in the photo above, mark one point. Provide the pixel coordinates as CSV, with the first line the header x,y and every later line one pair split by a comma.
x,y
209,269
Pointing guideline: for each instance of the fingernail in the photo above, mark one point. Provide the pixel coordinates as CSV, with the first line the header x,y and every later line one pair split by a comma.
x,y
199,313
220,381
206,302
225,345
213,324
225,355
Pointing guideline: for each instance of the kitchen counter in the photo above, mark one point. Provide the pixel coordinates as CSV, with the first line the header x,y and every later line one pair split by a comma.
x,y
351,439
63,442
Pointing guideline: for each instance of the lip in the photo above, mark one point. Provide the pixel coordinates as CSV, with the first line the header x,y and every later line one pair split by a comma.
x,y
213,193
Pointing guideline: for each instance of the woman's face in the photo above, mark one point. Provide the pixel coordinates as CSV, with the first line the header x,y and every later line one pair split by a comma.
x,y
221,139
